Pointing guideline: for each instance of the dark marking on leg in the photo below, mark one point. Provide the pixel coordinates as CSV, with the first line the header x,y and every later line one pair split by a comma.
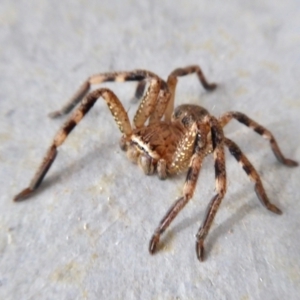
x,y
140,89
69,126
260,130
219,166
246,169
133,77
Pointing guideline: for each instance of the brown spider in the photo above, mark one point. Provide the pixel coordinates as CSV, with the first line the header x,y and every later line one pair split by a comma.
x,y
168,143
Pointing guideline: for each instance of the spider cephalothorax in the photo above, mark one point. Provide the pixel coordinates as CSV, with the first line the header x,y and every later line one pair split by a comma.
x,y
165,140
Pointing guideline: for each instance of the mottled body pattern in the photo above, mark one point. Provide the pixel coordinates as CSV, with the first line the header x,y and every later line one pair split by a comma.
x,y
164,140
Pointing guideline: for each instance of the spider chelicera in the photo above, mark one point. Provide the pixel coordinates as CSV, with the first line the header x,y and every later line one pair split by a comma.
x,y
165,140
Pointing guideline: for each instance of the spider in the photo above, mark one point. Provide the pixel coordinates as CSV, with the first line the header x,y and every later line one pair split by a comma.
x,y
166,141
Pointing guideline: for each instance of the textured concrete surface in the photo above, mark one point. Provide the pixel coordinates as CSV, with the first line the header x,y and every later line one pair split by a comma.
x,y
85,233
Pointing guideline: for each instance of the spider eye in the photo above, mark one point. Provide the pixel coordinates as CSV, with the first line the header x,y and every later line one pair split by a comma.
x,y
186,121
177,113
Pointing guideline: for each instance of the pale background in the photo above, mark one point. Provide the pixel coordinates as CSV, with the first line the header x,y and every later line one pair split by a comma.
x,y
85,233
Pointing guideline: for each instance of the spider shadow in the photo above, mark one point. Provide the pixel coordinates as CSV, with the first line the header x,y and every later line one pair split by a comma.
x,y
216,232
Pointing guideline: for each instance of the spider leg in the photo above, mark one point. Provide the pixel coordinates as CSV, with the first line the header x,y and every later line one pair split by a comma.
x,y
217,137
163,99
136,75
190,70
185,149
87,103
166,104
146,163
172,82
253,175
154,102
242,118
188,189
148,103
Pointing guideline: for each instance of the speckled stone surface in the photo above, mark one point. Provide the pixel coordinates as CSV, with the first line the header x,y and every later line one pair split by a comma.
x,y
85,233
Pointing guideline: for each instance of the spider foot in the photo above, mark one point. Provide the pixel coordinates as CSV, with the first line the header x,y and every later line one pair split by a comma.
x,y
261,195
153,243
290,163
200,250
274,209
210,86
23,195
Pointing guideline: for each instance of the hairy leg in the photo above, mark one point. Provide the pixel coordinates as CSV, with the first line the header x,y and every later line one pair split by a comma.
x,y
217,138
242,118
118,113
168,107
135,75
163,99
253,175
172,82
140,89
190,182
188,191
148,103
